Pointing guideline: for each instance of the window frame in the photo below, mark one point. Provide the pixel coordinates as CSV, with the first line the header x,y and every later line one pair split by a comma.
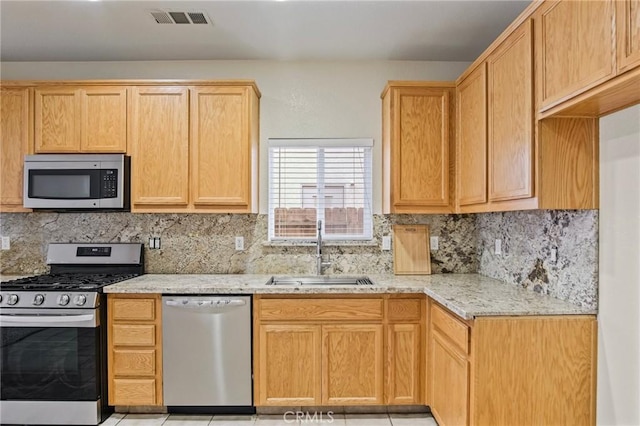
x,y
367,143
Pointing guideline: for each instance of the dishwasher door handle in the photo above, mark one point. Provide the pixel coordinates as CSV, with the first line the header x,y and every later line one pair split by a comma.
x,y
218,304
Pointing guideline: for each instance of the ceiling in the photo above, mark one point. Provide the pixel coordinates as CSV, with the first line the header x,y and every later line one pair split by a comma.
x,y
110,30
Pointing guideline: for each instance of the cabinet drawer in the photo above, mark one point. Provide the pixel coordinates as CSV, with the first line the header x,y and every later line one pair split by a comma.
x,y
141,362
134,392
320,309
134,335
455,330
133,309
404,309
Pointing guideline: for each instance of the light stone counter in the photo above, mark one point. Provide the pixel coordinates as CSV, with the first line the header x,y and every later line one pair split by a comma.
x,y
468,295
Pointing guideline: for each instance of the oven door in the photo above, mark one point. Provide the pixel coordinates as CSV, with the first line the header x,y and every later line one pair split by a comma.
x,y
50,355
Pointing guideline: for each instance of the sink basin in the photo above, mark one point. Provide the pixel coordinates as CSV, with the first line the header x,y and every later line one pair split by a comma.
x,y
320,280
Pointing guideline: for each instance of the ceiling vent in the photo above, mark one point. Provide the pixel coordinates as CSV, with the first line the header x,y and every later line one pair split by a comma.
x,y
176,17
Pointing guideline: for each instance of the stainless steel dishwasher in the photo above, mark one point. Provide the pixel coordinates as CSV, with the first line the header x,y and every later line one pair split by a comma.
x,y
206,356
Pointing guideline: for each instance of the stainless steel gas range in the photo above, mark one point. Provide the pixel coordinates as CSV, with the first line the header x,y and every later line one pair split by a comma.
x,y
53,366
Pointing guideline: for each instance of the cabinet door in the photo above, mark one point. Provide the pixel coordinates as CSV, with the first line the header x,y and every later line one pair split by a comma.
x,y
574,41
420,149
220,147
57,120
134,352
403,360
511,118
14,145
289,365
448,382
628,28
352,364
472,138
104,119
160,148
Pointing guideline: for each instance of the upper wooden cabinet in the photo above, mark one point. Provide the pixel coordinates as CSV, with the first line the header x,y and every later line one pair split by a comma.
x,y
510,117
160,147
15,133
575,47
213,167
86,119
417,147
224,148
555,167
471,137
628,34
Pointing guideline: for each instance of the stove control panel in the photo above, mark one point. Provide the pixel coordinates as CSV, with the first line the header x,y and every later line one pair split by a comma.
x,y
49,299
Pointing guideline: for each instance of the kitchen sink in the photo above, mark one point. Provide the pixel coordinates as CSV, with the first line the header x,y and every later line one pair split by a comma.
x,y
320,280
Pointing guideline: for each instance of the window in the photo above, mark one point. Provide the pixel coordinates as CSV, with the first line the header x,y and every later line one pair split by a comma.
x,y
320,179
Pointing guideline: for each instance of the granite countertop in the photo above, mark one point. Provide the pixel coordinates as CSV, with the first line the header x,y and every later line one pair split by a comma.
x,y
467,295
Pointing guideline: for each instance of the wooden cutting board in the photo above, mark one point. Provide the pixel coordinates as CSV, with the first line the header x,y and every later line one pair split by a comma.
x,y
411,252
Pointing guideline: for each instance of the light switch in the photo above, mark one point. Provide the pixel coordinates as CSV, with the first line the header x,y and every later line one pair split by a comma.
x,y
239,243
386,242
498,247
434,243
6,243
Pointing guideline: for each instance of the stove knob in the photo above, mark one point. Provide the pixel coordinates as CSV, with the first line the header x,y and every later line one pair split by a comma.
x,y
13,299
38,299
80,299
63,299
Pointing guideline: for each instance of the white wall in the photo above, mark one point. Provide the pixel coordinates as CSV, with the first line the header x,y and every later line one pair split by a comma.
x,y
619,288
299,99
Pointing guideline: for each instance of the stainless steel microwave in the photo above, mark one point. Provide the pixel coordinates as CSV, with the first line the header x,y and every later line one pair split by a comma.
x,y
76,182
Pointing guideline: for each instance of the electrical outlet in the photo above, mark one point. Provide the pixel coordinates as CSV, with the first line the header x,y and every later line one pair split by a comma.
x,y
498,247
239,243
434,243
553,257
154,243
386,242
6,243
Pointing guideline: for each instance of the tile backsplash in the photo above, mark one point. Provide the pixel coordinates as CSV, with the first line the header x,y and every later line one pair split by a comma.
x,y
204,243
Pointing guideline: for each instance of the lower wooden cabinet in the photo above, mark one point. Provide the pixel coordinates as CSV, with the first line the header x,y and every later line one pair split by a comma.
x,y
134,349
352,368
448,369
338,350
289,364
511,370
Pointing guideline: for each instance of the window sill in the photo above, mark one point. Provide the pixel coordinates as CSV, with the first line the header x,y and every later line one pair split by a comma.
x,y
325,243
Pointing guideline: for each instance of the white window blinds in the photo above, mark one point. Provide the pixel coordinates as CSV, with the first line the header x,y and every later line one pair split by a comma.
x,y
320,179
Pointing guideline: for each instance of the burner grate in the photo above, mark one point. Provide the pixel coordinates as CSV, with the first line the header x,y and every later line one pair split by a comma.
x,y
65,281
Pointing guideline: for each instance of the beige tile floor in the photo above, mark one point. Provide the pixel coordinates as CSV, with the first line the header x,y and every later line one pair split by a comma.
x,y
270,420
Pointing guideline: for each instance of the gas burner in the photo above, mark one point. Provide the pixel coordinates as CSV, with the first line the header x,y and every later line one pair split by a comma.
x,y
68,281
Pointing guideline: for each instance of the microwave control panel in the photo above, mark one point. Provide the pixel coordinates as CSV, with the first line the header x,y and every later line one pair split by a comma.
x,y
109,178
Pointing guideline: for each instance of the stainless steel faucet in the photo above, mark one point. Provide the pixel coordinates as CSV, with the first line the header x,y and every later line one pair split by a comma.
x,y
319,263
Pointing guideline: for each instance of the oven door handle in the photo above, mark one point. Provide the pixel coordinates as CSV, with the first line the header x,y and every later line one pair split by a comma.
x,y
83,320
